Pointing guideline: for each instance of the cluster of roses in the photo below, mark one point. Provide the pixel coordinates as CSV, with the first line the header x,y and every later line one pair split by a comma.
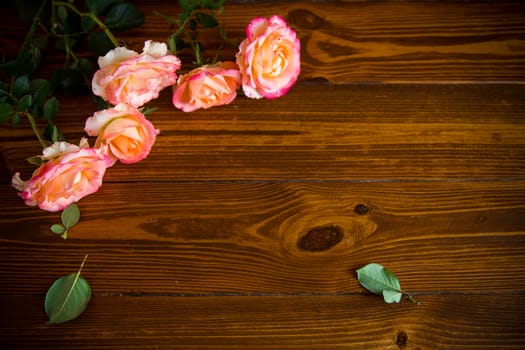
x,y
267,65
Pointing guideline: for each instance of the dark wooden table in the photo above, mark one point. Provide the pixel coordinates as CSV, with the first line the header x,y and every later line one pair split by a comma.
x,y
406,131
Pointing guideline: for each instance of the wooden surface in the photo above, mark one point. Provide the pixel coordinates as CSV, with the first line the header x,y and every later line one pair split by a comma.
x,y
406,131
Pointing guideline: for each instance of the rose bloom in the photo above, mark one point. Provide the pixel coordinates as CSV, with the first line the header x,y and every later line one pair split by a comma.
x,y
207,86
69,174
123,133
125,76
269,58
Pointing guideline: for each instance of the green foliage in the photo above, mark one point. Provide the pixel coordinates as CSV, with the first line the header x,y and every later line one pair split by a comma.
x,y
52,133
70,217
16,120
381,281
64,26
85,66
195,14
23,64
87,24
6,110
186,5
21,85
148,111
26,9
68,297
100,7
41,90
50,108
176,44
99,43
123,17
58,229
24,103
36,160
206,20
69,81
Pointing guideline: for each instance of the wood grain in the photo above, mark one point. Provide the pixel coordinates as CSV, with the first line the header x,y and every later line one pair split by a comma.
x,y
272,322
403,144
367,42
365,132
243,238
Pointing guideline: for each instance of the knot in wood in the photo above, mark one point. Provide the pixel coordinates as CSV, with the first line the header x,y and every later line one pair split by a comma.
x,y
305,19
361,209
321,238
402,339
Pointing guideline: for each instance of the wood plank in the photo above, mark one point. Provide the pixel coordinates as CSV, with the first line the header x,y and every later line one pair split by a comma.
x,y
365,132
246,238
368,41
272,322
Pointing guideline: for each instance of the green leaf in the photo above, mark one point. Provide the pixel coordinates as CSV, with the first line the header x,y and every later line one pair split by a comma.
x,y
50,108
99,43
99,7
87,24
84,65
62,13
70,216
100,102
68,297
26,10
176,44
66,43
42,89
148,111
3,88
123,17
216,4
52,133
24,103
40,42
58,229
22,64
36,160
69,81
21,85
15,120
381,281
186,5
172,44
206,20
391,296
70,22
5,111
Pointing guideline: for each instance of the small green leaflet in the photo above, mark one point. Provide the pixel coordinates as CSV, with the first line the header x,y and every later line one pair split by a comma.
x,y
381,281
67,297
69,217
50,108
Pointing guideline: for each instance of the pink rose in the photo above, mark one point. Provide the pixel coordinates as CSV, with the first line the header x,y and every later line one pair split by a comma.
x,y
123,133
69,174
269,58
127,77
207,86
